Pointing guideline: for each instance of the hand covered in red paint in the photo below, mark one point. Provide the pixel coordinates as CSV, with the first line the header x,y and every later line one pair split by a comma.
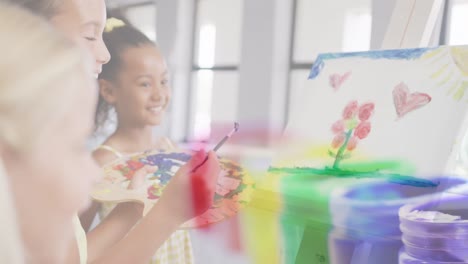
x,y
190,194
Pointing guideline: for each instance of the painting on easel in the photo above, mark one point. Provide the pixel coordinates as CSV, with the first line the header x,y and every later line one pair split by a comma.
x,y
392,114
370,130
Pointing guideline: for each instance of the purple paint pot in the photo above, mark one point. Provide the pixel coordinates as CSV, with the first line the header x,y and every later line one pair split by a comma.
x,y
436,231
366,223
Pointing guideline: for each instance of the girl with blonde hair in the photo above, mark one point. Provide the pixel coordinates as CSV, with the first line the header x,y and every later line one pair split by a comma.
x,y
45,171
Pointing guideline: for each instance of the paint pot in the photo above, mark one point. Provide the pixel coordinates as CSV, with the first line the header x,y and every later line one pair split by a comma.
x,y
366,223
436,231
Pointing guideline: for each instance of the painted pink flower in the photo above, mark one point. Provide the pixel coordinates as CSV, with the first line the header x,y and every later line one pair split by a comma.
x,y
338,140
352,143
362,130
338,127
350,110
351,124
365,111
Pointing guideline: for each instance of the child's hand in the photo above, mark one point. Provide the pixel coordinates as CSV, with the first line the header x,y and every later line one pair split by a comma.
x,y
190,194
139,177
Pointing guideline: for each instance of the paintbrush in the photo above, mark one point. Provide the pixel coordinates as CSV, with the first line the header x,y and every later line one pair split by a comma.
x,y
234,130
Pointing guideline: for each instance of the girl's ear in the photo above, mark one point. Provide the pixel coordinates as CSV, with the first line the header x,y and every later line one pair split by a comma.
x,y
107,91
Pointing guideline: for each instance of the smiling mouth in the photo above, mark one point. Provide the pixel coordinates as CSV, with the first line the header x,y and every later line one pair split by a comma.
x,y
156,109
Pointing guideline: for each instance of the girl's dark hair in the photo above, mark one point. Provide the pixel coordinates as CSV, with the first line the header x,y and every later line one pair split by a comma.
x,y
118,37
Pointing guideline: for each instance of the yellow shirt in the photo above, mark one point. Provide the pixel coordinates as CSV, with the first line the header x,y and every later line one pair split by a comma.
x,y
80,236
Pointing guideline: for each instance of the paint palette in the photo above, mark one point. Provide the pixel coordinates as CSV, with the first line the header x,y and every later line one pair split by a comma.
x,y
233,190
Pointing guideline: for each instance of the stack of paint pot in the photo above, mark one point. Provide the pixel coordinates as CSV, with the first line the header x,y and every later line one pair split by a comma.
x,y
436,231
366,226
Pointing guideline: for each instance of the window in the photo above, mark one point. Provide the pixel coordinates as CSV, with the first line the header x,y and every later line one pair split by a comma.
x,y
215,94
215,75
456,32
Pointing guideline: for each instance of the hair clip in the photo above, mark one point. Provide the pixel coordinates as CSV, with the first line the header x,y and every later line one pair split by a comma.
x,y
113,23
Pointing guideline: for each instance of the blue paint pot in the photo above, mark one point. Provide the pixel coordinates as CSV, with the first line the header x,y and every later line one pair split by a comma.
x,y
436,231
366,222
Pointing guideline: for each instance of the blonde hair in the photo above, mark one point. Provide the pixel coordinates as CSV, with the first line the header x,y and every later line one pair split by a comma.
x,y
44,8
35,63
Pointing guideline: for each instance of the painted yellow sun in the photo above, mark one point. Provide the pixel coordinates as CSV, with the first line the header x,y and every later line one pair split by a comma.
x,y
460,58
451,69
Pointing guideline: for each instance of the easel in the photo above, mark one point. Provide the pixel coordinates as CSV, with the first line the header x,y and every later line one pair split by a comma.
x,y
411,25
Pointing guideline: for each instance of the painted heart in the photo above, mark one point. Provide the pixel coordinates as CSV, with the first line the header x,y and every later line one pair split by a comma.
x,y
336,80
406,102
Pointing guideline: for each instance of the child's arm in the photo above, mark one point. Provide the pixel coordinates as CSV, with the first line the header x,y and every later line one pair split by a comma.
x,y
175,207
126,213
86,218
121,219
